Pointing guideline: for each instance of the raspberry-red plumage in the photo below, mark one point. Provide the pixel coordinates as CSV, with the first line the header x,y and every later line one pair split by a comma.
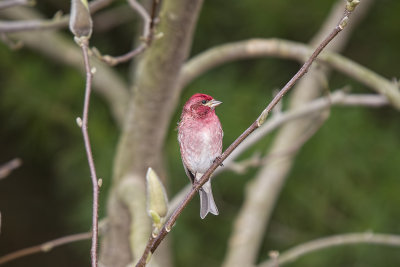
x,y
200,139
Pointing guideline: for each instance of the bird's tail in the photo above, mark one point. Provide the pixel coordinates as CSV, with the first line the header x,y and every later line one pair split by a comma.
x,y
207,203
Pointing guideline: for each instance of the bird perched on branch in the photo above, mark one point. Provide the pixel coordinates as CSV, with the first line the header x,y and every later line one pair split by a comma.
x,y
200,140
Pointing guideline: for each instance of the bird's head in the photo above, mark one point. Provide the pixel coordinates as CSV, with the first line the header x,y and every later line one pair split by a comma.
x,y
200,105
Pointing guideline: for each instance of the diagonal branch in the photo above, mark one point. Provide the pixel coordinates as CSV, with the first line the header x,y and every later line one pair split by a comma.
x,y
262,192
338,98
329,242
45,247
155,242
256,48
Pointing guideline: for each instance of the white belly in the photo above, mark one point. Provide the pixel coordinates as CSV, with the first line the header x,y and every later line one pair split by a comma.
x,y
202,148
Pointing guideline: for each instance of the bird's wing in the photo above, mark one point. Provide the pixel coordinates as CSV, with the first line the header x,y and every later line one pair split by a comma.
x,y
188,173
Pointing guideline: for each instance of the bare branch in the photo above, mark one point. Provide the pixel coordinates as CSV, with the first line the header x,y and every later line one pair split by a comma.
x,y
332,241
96,5
31,25
256,48
57,22
11,3
143,13
83,42
314,107
45,247
111,18
147,34
112,61
8,167
81,26
241,167
262,192
154,243
59,48
338,98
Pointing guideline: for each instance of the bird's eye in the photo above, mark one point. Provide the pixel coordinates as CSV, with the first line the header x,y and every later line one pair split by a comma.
x,y
204,101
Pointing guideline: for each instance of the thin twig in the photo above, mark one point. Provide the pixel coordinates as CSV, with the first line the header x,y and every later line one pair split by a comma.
x,y
143,13
8,167
83,124
332,241
153,20
45,247
57,22
240,167
147,34
112,61
256,124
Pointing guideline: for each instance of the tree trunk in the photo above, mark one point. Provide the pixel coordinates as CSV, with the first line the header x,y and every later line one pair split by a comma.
x,y
153,100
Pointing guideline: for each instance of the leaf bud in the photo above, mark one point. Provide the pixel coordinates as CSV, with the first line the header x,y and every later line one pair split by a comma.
x,y
80,22
157,201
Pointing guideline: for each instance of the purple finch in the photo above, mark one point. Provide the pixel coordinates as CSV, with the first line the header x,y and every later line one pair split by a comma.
x,y
200,140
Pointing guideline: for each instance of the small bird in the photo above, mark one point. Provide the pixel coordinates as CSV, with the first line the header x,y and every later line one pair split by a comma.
x,y
200,141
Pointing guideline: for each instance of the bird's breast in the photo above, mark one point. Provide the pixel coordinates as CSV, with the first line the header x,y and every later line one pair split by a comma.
x,y
200,144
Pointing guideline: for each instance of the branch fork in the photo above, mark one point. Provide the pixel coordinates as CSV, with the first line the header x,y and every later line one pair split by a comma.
x,y
149,23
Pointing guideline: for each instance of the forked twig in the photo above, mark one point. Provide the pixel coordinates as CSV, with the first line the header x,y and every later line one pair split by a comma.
x,y
155,242
147,34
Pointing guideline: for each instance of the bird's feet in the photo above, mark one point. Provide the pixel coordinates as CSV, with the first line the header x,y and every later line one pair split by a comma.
x,y
218,159
195,185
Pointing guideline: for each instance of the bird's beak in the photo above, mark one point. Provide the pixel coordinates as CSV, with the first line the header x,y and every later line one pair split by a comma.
x,y
213,103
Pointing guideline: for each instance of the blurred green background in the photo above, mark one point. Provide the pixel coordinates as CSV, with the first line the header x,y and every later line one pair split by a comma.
x,y
345,179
